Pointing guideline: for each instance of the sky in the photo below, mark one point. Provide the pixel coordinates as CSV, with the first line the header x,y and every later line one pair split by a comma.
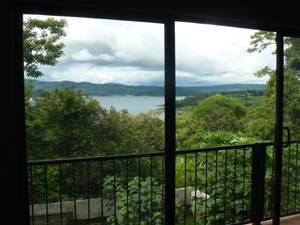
x,y
132,53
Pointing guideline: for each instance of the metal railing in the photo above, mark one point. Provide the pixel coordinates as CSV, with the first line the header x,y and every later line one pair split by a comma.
x,y
217,185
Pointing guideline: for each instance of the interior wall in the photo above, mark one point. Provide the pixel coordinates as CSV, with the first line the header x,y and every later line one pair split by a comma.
x,y
280,13
9,213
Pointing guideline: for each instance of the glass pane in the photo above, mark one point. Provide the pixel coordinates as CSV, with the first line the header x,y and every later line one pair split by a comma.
x,y
291,112
223,77
94,88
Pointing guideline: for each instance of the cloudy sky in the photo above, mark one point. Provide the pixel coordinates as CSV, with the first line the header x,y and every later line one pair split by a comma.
x,y
132,53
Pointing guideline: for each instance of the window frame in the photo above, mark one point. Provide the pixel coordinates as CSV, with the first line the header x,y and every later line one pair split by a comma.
x,y
169,49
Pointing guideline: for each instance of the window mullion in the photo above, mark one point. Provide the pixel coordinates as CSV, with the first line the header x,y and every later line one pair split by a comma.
x,y
170,121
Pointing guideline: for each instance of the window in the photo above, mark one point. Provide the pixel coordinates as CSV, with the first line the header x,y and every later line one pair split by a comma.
x,y
167,158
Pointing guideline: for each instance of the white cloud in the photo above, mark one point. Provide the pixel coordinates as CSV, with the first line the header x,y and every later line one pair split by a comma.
x,y
84,55
215,53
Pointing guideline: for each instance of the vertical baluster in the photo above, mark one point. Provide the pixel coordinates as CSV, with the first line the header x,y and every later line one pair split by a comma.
x,y
32,202
216,187
60,192
46,188
195,201
234,186
205,218
225,186
272,189
101,185
74,187
162,189
88,190
140,214
244,165
295,208
288,192
127,190
115,207
185,208
151,210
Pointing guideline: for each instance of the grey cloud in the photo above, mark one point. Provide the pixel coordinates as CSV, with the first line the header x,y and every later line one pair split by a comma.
x,y
133,53
142,58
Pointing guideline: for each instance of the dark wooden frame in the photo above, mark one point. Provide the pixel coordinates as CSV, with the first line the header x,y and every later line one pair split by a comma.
x,y
169,22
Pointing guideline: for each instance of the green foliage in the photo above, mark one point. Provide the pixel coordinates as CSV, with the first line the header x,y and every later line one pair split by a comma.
x,y
227,176
186,125
261,40
139,202
292,53
264,72
290,179
224,175
266,112
246,97
40,43
62,122
203,139
191,100
260,122
219,113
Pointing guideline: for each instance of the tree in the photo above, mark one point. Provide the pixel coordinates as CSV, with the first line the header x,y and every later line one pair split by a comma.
x,y
40,43
260,122
261,40
219,112
63,121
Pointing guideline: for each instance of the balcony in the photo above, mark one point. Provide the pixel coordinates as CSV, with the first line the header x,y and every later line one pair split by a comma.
x,y
218,185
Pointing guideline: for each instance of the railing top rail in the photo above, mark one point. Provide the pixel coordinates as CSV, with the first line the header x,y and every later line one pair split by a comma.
x,y
94,158
151,154
210,149
272,142
292,141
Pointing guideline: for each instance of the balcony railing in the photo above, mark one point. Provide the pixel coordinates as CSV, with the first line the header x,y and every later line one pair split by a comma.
x,y
218,185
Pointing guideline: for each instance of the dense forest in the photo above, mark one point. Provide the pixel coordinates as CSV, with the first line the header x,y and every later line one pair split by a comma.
x,y
247,98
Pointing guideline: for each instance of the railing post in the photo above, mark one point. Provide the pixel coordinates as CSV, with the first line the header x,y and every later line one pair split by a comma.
x,y
258,182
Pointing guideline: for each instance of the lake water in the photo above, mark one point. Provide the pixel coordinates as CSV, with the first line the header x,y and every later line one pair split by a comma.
x,y
134,104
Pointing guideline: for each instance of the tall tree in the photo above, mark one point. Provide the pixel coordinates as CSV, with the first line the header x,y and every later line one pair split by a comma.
x,y
219,112
40,43
260,41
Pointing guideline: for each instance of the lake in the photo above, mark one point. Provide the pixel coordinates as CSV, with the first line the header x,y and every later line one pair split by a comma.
x,y
134,104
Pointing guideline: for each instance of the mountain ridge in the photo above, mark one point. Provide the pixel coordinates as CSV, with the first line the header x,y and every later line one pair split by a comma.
x,y
141,90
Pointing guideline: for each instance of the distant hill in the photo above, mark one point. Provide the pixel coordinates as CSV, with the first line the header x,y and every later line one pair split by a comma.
x,y
160,91
140,90
93,89
225,88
